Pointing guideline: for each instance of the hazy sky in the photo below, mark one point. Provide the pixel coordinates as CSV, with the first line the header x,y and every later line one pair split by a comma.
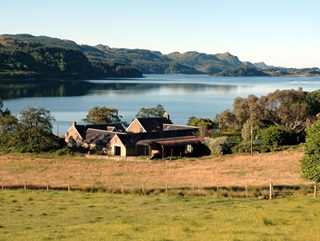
x,y
278,32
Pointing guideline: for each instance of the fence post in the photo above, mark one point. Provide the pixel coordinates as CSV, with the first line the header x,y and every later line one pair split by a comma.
x,y
271,193
315,191
25,185
166,189
47,185
69,185
246,188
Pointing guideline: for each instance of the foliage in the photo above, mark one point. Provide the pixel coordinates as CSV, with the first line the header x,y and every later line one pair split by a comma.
x,y
218,146
275,136
31,133
288,108
310,163
205,125
157,111
102,115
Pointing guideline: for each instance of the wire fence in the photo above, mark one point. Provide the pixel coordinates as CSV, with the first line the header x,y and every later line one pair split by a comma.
x,y
269,191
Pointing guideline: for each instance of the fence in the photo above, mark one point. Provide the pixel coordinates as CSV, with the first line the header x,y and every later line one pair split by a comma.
x,y
262,192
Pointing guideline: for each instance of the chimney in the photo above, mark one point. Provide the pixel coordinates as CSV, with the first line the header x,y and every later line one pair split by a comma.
x,y
166,115
74,122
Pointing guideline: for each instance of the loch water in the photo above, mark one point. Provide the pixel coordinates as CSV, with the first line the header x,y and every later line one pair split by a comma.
x,y
181,95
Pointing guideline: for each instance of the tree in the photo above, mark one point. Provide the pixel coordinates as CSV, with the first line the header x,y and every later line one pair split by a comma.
x,y
102,115
39,118
157,111
205,124
32,133
310,163
8,122
285,107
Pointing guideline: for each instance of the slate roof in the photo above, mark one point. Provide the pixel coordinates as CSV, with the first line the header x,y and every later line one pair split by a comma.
x,y
115,127
131,139
154,124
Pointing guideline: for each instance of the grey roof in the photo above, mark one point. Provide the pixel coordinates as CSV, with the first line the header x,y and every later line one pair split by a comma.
x,y
154,123
131,139
116,127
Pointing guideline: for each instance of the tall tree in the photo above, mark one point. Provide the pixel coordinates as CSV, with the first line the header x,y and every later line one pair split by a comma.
x,y
102,115
285,107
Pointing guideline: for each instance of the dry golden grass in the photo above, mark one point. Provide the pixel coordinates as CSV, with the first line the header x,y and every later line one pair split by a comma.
x,y
281,168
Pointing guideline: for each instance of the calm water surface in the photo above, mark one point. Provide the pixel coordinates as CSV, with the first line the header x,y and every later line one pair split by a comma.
x,y
181,95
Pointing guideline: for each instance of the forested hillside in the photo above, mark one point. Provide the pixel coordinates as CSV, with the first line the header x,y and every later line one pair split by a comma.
x,y
26,56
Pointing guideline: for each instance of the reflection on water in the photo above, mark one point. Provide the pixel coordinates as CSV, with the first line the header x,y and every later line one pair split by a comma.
x,y
21,89
181,95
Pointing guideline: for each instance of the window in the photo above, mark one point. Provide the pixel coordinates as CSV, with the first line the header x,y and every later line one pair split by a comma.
x,y
117,150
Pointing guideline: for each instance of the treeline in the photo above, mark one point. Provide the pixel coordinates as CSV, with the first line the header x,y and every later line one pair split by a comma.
x,y
21,59
270,122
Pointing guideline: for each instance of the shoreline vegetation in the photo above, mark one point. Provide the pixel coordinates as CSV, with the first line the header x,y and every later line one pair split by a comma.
x,y
25,57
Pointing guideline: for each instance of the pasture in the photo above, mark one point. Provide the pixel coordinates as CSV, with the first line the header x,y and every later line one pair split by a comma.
x,y
77,215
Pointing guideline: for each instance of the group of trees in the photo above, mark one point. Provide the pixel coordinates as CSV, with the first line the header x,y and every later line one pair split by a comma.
x,y
286,112
31,132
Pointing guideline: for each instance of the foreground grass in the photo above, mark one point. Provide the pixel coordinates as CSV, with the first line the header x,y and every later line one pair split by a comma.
x,y
53,215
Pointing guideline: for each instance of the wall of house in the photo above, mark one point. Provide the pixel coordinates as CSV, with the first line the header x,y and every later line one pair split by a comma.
x,y
116,142
72,137
135,127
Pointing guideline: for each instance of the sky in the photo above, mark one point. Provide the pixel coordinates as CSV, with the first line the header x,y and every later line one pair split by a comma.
x,y
278,32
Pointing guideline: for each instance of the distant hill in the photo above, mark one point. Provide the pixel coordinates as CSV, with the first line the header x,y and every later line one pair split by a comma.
x,y
242,70
24,55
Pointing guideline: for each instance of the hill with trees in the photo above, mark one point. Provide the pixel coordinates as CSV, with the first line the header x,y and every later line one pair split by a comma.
x,y
27,56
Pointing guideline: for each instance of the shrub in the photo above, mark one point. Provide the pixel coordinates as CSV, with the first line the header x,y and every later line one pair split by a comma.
x,y
276,136
218,146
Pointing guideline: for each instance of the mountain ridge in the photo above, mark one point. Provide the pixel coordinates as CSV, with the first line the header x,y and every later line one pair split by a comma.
x,y
154,62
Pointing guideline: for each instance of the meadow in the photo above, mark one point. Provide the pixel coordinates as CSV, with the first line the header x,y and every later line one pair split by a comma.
x,y
281,168
139,199
77,215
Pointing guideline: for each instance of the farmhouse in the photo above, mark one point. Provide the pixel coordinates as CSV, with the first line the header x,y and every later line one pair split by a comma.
x,y
153,137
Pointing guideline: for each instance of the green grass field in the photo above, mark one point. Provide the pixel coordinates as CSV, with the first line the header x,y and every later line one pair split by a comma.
x,y
75,215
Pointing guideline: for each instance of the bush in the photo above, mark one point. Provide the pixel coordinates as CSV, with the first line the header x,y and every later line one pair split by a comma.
x,y
218,146
276,136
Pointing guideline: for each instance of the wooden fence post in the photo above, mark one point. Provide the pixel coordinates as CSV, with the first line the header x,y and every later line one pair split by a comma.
x,y
47,185
315,191
69,185
271,192
166,189
246,188
25,185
